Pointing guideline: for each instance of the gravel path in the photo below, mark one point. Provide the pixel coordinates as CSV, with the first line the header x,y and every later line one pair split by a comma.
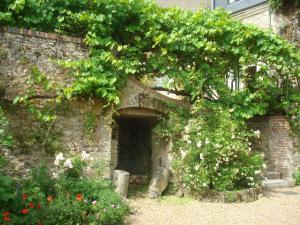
x,y
278,207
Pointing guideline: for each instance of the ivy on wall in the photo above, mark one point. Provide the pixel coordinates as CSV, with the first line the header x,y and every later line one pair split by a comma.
x,y
198,52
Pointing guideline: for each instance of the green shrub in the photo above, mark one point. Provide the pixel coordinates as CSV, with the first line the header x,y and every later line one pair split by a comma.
x,y
41,179
297,176
6,186
5,137
214,153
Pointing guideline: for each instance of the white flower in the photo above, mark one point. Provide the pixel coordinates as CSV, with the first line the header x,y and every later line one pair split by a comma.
x,y
55,175
186,137
264,166
257,171
217,145
187,128
189,142
261,78
257,133
183,154
68,163
231,110
85,155
206,141
94,202
199,144
196,167
204,185
59,157
251,178
201,156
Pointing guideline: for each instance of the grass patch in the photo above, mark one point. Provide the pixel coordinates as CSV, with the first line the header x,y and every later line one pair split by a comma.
x,y
174,200
138,191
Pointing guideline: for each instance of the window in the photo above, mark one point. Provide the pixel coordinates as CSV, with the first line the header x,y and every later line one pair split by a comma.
x,y
232,1
237,5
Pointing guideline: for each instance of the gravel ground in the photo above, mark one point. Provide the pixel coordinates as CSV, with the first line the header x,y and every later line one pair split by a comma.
x,y
276,207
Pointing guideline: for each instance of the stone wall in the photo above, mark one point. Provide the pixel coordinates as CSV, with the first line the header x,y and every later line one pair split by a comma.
x,y
287,25
21,50
259,16
277,143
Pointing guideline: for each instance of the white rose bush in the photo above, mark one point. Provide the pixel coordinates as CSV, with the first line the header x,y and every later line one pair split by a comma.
x,y
71,165
213,152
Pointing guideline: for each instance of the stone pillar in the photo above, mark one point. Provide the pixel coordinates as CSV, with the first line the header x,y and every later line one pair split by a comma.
x,y
121,181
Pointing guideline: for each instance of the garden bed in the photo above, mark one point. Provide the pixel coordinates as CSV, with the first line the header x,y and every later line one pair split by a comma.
x,y
246,195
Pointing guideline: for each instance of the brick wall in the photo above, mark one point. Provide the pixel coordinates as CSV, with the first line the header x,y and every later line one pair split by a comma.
x,y
277,143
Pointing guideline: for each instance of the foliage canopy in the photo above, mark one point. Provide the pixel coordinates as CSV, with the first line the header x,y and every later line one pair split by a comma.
x,y
198,52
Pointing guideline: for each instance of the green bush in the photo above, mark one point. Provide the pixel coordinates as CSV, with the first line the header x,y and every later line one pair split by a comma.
x,y
214,152
5,137
6,186
297,176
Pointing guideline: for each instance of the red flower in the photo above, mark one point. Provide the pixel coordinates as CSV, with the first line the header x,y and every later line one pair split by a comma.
x,y
6,218
24,196
39,205
25,211
6,213
79,197
50,198
31,205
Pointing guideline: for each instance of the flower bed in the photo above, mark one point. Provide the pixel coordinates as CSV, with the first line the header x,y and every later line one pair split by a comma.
x,y
68,199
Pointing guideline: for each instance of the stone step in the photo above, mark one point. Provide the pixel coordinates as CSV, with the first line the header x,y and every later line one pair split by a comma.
x,y
271,175
275,183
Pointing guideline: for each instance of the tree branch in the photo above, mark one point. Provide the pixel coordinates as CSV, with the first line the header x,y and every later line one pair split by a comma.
x,y
182,93
42,97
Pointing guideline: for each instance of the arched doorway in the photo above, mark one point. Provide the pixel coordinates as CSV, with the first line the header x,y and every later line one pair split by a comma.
x,y
133,141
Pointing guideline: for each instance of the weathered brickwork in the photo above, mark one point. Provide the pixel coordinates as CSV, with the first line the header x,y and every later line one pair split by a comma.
x,y
277,143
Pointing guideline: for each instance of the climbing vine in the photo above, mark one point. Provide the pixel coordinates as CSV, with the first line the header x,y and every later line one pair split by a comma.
x,y
285,4
44,108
